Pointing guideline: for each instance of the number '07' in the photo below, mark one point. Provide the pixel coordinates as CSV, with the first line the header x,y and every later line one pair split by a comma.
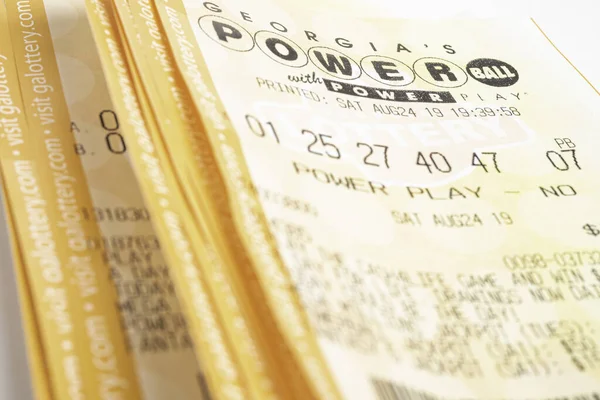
x,y
559,162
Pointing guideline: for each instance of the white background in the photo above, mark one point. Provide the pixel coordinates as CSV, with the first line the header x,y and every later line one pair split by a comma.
x,y
574,26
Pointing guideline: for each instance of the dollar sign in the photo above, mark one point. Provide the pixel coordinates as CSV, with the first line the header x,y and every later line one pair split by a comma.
x,y
591,230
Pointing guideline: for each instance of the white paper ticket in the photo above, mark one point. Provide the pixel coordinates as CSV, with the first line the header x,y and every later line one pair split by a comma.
x,y
432,188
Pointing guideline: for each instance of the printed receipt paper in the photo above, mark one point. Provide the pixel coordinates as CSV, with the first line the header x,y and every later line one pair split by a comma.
x,y
431,186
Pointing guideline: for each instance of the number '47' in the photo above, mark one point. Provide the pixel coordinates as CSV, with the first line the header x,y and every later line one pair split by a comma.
x,y
486,160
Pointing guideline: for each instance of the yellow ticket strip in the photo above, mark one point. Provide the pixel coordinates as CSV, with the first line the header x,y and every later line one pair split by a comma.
x,y
209,200
35,353
151,315
33,338
243,219
83,346
231,382
173,114
160,188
